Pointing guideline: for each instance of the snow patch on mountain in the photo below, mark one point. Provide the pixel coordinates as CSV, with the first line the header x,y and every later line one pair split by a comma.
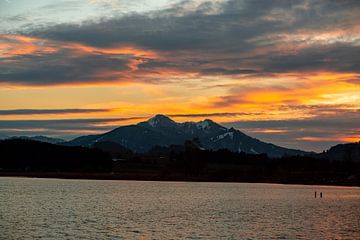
x,y
203,124
154,121
222,136
253,151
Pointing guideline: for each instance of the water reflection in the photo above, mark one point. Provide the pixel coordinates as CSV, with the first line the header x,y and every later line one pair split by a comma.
x,y
83,209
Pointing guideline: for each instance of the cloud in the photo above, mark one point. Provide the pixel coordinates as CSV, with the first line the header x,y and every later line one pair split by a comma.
x,y
64,124
224,71
49,111
235,24
315,133
291,89
64,128
220,114
230,38
61,68
34,61
355,80
336,57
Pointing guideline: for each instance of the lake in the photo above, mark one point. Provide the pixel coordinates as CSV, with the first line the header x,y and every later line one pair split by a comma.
x,y
33,208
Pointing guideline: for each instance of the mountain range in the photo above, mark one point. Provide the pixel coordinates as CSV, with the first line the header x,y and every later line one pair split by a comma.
x,y
40,139
160,130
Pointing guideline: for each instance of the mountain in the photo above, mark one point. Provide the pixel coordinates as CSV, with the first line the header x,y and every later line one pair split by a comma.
x,y
342,152
163,131
3,137
41,139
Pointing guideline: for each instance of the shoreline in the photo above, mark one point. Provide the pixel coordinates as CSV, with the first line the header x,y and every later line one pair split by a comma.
x,y
122,177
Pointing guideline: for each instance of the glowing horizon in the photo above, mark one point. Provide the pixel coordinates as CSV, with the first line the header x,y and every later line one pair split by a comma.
x,y
285,73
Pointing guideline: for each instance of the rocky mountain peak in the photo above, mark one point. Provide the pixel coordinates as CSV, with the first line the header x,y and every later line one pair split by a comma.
x,y
160,119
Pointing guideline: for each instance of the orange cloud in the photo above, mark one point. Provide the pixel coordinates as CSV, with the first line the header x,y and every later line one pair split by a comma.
x,y
13,45
303,88
270,130
333,138
127,55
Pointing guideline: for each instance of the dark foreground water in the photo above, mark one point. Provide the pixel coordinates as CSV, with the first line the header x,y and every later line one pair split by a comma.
x,y
86,209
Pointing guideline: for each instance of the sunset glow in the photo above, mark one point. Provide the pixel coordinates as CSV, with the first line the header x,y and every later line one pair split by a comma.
x,y
188,61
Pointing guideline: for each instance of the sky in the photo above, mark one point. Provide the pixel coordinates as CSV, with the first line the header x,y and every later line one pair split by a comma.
x,y
286,72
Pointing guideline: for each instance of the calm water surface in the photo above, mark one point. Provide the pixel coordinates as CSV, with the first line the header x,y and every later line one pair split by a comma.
x,y
87,209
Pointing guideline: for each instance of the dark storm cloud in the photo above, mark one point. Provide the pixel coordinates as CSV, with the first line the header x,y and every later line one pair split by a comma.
x,y
49,111
166,30
235,22
61,67
335,57
225,38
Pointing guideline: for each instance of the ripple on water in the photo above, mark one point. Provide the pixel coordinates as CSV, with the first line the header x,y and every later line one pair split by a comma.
x,y
85,209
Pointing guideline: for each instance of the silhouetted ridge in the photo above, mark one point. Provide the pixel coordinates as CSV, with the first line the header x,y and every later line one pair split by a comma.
x,y
343,152
28,155
41,139
161,130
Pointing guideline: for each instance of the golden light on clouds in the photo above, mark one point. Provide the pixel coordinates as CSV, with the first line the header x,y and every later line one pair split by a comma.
x,y
295,62
13,45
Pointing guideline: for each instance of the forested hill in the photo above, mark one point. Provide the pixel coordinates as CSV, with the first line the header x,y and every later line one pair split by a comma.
x,y
29,155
